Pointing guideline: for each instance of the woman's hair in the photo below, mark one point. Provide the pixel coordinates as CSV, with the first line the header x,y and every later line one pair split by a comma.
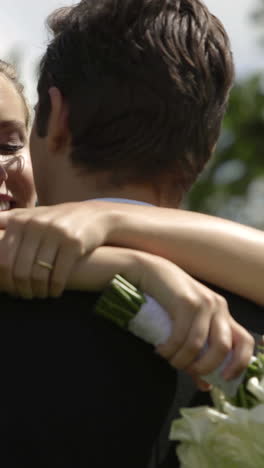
x,y
10,73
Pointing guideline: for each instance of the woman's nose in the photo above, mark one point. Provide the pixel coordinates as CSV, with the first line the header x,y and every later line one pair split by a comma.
x,y
14,163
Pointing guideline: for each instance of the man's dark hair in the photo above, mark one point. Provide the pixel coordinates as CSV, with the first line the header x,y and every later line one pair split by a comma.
x,y
147,83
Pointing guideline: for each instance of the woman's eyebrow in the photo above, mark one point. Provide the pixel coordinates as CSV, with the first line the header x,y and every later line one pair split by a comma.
x,y
13,124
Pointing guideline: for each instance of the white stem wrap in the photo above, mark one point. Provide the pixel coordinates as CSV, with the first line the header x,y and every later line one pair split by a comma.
x,y
153,325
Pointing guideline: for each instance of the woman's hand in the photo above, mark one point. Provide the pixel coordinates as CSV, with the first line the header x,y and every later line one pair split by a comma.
x,y
198,314
56,236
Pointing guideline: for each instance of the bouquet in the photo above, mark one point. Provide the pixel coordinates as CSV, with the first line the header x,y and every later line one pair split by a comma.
x,y
230,435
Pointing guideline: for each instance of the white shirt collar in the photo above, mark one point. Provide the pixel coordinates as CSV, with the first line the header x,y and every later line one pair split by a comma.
x,y
124,200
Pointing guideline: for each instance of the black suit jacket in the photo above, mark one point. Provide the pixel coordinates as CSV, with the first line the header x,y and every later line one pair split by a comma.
x,y
75,391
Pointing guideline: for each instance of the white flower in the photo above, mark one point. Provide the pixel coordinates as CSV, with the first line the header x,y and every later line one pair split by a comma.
x,y
211,439
256,388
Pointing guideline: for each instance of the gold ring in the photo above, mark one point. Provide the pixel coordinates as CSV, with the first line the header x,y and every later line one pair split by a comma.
x,y
45,265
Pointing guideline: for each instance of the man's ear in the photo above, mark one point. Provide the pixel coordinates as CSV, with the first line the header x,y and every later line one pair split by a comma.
x,y
58,136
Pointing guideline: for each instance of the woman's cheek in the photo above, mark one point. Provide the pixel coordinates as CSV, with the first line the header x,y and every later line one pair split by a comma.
x,y
30,191
21,185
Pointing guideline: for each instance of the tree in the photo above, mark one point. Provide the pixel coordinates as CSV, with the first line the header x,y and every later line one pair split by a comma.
x,y
233,183
258,18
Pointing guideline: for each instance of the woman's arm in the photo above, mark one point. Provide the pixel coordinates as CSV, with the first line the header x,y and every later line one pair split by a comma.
x,y
221,252
198,314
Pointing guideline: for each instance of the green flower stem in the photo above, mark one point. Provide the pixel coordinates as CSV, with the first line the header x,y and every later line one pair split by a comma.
x,y
244,398
114,308
132,292
112,317
120,302
125,282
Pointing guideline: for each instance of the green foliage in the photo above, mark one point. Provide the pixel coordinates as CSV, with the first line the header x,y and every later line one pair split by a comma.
x,y
258,18
239,157
233,183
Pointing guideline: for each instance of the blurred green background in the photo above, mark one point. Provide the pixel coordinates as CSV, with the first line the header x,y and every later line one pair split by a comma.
x,y
232,185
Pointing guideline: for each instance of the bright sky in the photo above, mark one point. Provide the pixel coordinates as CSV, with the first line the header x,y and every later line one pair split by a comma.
x,y
22,26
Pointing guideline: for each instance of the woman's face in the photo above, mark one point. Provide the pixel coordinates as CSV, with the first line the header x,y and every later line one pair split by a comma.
x,y
16,178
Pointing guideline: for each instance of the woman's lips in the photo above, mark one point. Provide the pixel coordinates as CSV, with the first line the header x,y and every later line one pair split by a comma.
x,y
6,202
5,205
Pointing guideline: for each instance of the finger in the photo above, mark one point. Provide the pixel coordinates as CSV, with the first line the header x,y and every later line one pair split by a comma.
x,y
41,274
66,258
219,345
4,218
174,343
243,348
180,329
25,258
194,343
7,255
8,251
201,384
7,216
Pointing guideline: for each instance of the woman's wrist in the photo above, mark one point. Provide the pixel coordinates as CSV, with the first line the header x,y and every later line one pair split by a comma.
x,y
94,271
113,221
127,226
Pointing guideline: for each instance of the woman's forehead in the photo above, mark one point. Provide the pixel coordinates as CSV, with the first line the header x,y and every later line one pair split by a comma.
x,y
11,105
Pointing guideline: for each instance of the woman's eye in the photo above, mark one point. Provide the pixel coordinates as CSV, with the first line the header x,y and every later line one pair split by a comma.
x,y
10,149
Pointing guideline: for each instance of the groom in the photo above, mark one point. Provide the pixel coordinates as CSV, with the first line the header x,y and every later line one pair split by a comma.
x,y
131,99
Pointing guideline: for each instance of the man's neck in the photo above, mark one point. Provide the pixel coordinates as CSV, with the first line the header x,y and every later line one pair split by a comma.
x,y
91,187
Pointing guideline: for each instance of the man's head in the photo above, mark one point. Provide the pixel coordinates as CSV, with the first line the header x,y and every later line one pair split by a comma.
x,y
142,87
